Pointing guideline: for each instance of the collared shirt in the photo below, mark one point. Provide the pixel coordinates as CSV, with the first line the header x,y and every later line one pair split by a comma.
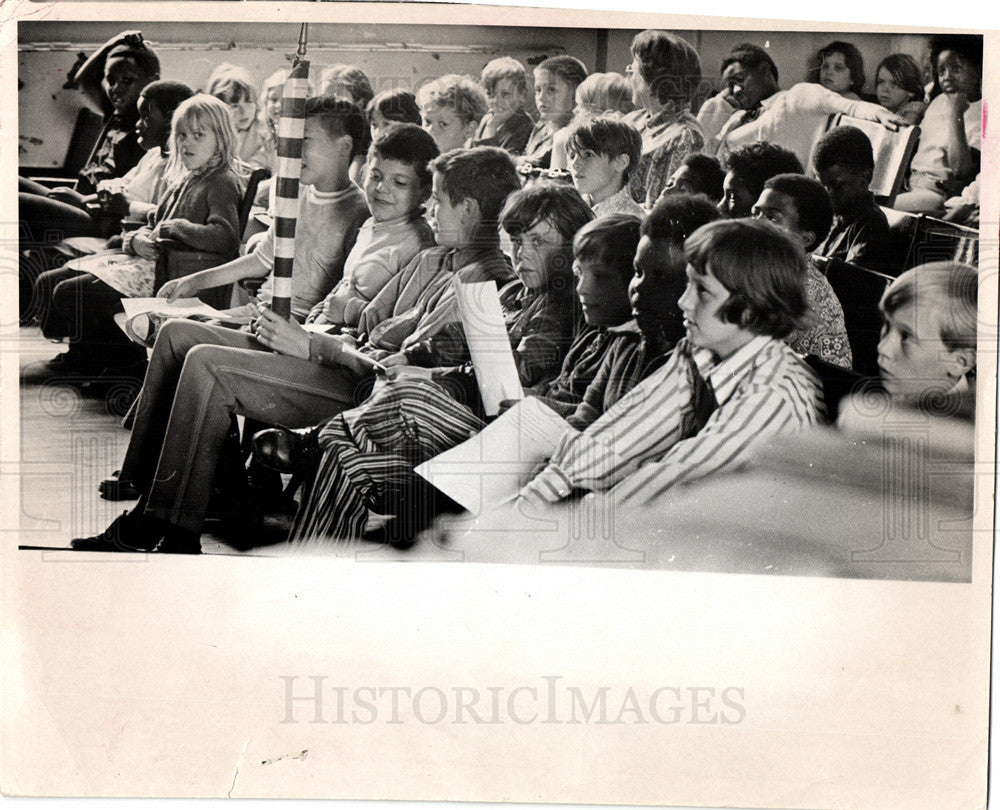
x,y
667,139
825,334
793,118
620,202
636,449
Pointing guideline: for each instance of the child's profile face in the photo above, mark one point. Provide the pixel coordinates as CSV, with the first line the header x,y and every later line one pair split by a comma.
x,y
834,74
602,292
378,124
392,188
506,97
913,361
657,284
196,144
123,82
703,297
554,96
540,254
889,94
273,100
153,127
779,209
595,174
680,182
447,219
737,200
244,111
325,159
446,127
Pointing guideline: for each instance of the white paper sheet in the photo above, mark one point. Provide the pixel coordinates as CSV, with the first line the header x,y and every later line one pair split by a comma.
x,y
489,345
490,468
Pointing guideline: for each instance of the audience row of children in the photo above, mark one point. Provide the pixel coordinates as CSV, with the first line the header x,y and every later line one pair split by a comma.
x,y
655,97
723,300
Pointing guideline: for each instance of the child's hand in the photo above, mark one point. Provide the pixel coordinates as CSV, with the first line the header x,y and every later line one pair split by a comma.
x,y
168,229
178,288
67,195
959,103
397,359
143,245
277,334
889,120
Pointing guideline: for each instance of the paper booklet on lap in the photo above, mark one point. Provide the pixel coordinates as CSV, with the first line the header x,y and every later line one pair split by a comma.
x,y
490,468
144,316
132,276
488,342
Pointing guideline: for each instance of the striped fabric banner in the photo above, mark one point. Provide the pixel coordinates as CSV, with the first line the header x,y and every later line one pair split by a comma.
x,y
286,183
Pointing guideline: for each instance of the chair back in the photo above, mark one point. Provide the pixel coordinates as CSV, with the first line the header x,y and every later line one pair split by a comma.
x,y
893,152
940,241
859,291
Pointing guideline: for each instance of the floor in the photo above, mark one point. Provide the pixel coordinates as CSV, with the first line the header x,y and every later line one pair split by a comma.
x,y
71,439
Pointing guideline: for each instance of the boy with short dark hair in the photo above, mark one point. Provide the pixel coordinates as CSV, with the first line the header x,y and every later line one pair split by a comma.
x,y
506,124
844,163
330,212
698,174
800,207
747,169
729,385
602,153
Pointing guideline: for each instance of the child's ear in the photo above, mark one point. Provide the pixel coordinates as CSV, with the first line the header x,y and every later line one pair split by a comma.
x,y
620,163
961,362
806,238
471,214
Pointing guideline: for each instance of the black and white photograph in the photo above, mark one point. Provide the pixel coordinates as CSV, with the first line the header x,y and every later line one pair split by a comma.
x,y
468,403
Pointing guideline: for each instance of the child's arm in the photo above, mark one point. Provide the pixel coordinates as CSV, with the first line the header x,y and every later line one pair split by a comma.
x,y
238,269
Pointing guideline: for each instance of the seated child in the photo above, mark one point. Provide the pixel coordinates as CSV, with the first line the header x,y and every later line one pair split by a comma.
x,y
658,283
233,85
200,211
556,80
698,174
840,68
368,453
396,106
928,345
747,169
598,94
603,250
800,207
602,154
199,375
397,183
451,107
331,210
134,196
505,124
350,82
948,156
111,78
728,386
844,163
899,87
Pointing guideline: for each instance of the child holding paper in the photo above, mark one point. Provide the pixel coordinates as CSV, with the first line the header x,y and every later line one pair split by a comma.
x,y
368,453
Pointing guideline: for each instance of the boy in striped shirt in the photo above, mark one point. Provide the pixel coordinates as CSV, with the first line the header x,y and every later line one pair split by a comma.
x,y
729,385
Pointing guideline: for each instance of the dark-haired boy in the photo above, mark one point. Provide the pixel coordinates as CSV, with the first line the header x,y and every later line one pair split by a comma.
x,y
331,211
747,169
729,385
844,163
800,207
602,153
698,174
